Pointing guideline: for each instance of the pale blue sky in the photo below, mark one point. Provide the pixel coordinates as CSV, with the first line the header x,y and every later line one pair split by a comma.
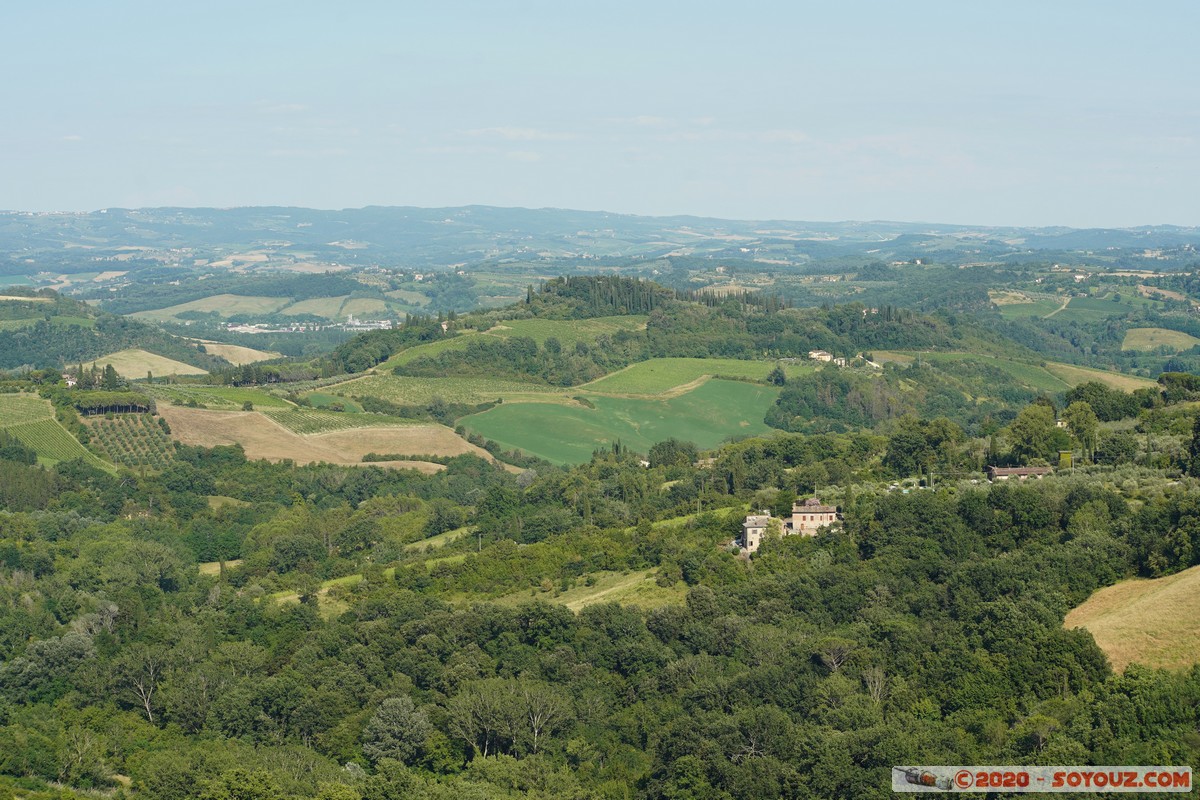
x,y
1040,113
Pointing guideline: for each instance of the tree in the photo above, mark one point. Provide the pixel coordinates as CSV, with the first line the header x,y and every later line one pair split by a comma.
x,y
777,377
397,730
1034,434
1084,426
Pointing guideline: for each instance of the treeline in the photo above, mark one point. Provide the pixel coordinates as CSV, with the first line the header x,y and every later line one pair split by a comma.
x,y
374,347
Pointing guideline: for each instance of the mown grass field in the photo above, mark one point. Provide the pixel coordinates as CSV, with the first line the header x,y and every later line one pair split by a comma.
x,y
136,363
1153,622
1021,305
660,375
1154,338
453,390
567,434
31,420
224,304
236,354
222,397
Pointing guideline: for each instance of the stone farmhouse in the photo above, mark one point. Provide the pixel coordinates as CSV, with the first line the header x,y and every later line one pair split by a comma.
x,y
806,520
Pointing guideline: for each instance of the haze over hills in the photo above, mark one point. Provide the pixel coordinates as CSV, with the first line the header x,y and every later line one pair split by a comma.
x,y
308,239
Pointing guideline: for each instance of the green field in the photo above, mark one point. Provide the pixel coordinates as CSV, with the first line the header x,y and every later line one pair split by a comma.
x,y
429,350
1154,338
325,400
1098,309
453,390
307,420
217,397
31,419
1031,375
569,331
17,409
707,415
659,375
1041,307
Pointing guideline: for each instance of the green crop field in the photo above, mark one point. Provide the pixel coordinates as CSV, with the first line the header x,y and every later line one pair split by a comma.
x,y
218,397
453,390
659,375
1040,307
325,400
569,331
307,420
1098,309
707,415
1031,375
1154,338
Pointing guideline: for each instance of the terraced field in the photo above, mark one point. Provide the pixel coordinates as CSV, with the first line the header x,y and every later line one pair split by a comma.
x,y
567,434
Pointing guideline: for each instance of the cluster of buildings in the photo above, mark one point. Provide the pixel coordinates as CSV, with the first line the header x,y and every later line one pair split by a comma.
x,y
807,519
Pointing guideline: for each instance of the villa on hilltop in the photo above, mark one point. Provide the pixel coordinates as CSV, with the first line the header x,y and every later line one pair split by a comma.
x,y
806,520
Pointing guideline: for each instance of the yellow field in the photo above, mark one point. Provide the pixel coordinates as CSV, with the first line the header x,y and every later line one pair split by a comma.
x,y
262,438
236,354
1153,622
136,363
214,567
1154,338
328,307
1076,375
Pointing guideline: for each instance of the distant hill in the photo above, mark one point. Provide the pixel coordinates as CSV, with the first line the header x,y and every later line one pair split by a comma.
x,y
257,238
43,329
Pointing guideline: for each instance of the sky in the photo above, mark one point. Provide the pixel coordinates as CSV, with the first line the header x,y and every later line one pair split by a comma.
x,y
1018,113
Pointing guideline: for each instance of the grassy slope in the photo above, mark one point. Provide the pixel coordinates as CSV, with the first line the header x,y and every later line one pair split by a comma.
x,y
134,363
1153,338
663,374
1153,622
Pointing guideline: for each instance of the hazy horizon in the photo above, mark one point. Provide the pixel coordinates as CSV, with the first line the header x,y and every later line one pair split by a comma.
x,y
1069,115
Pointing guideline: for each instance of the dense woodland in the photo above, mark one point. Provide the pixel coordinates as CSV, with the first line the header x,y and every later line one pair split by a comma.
x,y
928,630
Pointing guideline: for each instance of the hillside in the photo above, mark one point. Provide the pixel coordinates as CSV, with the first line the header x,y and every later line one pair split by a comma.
x,y
1151,622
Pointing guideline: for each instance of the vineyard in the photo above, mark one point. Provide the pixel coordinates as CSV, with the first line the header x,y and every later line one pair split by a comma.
x,y
52,443
133,440
307,420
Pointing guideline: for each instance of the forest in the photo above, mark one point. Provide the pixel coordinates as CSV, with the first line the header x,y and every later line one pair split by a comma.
x,y
231,629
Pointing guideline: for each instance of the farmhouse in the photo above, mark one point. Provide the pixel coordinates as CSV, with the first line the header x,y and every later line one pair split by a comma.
x,y
809,517
806,520
1020,473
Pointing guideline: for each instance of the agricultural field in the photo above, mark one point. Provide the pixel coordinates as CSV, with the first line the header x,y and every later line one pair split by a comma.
x,y
263,438
136,363
227,305
637,588
236,354
660,375
306,421
222,397
567,434
1154,338
569,331
430,350
325,400
1152,622
31,420
1019,305
1099,309
1076,375
403,390
132,440
328,307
